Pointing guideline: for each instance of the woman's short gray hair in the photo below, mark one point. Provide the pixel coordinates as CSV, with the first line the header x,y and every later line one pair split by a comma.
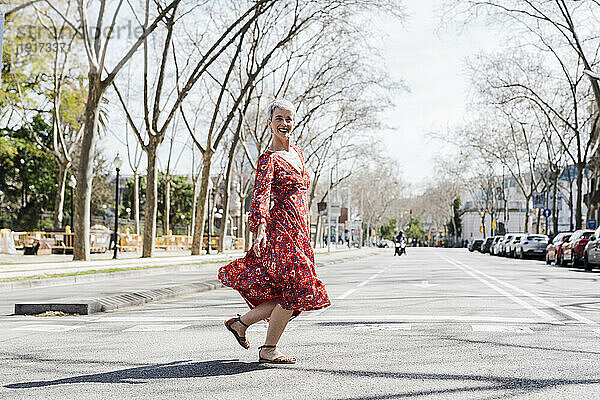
x,y
283,104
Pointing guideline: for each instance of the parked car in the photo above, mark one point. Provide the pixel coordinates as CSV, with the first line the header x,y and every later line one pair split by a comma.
x,y
475,245
572,251
532,245
504,244
512,245
496,245
554,248
591,255
485,248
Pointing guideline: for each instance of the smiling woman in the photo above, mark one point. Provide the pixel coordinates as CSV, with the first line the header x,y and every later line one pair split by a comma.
x,y
277,277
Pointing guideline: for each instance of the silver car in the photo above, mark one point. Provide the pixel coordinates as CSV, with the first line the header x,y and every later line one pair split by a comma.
x,y
532,245
496,244
512,245
503,245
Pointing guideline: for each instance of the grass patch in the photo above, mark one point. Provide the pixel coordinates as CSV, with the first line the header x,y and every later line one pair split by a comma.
x,y
94,271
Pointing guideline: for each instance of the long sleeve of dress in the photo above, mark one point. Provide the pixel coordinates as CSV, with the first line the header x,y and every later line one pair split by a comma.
x,y
261,199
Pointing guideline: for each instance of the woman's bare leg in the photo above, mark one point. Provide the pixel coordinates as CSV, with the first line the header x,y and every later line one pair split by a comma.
x,y
258,313
277,323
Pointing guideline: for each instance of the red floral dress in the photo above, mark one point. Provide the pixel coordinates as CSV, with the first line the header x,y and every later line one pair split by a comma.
x,y
286,267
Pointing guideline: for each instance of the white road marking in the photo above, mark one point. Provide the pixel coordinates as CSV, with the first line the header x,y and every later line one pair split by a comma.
x,y
501,328
470,271
425,318
265,326
160,319
363,283
155,328
543,301
386,327
425,284
47,328
344,318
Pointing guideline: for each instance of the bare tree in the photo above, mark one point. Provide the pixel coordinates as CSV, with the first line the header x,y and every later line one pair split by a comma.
x,y
59,84
100,77
560,32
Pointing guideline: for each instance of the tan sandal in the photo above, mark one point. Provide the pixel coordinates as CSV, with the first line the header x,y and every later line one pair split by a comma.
x,y
240,339
276,360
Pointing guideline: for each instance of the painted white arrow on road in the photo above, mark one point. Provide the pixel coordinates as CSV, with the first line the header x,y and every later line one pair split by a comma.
x,y
425,284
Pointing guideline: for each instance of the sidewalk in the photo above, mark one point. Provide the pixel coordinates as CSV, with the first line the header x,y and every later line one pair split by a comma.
x,y
50,273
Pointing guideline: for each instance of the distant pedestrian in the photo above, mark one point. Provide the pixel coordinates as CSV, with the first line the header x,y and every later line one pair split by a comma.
x,y
277,277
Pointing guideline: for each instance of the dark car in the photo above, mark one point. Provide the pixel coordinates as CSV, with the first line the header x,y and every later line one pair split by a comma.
x,y
554,249
485,248
475,245
573,250
591,256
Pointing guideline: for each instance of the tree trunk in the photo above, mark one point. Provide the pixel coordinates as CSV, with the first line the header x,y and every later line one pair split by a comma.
x,y
483,226
136,201
167,211
151,201
59,200
194,203
539,219
227,194
81,237
247,234
526,227
201,205
578,207
244,231
317,230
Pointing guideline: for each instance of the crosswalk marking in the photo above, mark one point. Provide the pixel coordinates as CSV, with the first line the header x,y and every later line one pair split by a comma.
x,y
47,328
155,328
500,328
383,327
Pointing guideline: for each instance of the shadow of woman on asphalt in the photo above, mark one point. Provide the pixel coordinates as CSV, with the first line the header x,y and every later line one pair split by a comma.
x,y
176,369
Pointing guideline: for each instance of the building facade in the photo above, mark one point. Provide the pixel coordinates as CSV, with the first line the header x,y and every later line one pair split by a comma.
x,y
506,211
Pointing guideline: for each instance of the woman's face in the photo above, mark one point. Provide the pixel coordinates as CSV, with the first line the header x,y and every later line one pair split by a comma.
x,y
282,123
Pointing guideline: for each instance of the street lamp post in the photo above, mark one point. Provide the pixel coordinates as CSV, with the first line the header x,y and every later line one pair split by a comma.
x,y
118,163
72,184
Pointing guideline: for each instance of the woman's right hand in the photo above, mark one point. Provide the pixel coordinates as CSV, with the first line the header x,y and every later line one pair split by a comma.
x,y
260,241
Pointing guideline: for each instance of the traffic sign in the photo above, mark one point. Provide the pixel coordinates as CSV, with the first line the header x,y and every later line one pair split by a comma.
x,y
547,212
592,223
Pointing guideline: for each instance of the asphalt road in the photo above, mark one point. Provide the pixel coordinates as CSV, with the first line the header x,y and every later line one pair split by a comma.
x,y
438,324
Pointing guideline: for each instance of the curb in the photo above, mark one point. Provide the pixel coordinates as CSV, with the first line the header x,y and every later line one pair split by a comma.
x,y
112,303
86,278
131,299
